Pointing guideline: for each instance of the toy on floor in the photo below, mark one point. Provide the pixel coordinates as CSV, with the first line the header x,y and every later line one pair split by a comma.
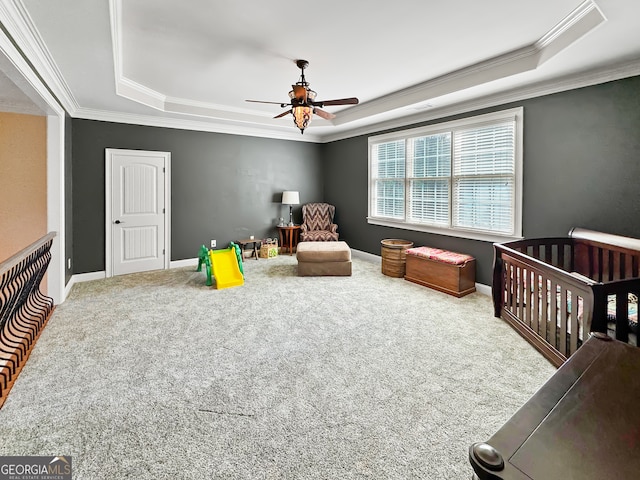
x,y
224,265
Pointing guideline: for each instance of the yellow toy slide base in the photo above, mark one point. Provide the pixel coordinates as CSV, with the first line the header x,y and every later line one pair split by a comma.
x,y
224,264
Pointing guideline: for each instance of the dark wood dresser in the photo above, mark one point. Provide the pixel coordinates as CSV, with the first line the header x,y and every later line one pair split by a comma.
x,y
584,423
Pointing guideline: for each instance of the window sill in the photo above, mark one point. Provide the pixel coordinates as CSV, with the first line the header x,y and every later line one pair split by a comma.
x,y
484,237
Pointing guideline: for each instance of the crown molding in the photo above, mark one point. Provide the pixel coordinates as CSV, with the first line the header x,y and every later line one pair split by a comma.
x,y
231,128
20,26
569,82
572,82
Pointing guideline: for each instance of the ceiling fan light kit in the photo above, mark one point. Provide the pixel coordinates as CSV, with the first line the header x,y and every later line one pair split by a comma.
x,y
303,102
302,116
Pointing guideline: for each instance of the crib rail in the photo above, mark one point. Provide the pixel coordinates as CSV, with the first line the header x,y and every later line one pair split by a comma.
x,y
24,310
547,305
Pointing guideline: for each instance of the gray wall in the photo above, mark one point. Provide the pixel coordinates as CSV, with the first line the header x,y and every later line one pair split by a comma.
x,y
224,187
581,165
581,168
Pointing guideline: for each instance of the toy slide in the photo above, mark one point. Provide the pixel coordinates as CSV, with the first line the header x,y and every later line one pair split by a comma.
x,y
226,266
225,269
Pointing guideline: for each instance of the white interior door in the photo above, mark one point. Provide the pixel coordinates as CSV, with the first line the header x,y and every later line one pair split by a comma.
x,y
137,224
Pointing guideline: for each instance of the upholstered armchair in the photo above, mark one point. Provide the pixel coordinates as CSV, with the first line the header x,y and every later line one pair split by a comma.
x,y
317,223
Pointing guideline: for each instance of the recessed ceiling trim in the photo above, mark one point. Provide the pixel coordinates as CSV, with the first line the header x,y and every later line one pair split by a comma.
x,y
18,22
579,22
576,24
139,93
231,128
570,82
586,17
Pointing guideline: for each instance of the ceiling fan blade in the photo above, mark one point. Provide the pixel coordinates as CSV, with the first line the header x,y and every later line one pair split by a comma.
x,y
300,93
283,114
261,101
323,114
342,101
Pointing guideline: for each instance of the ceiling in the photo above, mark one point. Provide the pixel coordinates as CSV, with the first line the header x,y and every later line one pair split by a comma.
x,y
193,64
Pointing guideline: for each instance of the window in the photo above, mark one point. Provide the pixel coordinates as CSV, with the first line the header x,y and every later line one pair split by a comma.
x,y
460,178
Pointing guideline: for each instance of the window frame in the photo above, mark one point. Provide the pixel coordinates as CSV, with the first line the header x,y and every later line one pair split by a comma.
x,y
513,114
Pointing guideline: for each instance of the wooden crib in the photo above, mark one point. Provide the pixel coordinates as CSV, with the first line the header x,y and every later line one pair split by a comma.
x,y
554,291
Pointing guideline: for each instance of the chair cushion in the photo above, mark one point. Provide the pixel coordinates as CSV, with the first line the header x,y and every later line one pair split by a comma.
x,y
440,255
318,236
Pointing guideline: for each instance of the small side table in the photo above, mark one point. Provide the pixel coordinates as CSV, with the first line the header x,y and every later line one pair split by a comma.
x,y
249,241
288,237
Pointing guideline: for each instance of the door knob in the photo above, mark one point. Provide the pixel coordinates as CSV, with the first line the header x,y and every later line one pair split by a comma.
x,y
117,222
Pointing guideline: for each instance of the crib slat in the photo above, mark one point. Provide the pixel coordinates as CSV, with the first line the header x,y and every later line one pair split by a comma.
x,y
545,306
521,299
552,329
532,293
593,263
536,252
599,264
561,256
509,287
617,271
576,301
628,266
526,299
562,340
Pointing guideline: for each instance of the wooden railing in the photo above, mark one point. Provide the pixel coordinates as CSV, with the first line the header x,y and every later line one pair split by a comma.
x,y
24,310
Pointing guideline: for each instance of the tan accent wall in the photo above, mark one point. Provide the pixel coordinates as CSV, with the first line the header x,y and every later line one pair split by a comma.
x,y
23,181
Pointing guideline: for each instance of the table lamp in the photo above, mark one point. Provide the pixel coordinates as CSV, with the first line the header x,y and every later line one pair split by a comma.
x,y
291,199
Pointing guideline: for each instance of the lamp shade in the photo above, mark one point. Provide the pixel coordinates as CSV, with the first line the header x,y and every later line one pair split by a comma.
x,y
290,198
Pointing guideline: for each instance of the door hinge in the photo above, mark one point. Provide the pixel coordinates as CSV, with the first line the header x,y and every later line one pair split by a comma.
x,y
164,170
163,251
164,210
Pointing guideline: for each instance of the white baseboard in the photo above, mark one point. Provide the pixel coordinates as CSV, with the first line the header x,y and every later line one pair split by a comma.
x,y
480,287
193,262
370,257
68,287
483,289
88,277
187,262
82,277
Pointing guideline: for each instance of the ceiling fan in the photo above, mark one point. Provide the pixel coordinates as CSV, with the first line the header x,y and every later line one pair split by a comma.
x,y
303,102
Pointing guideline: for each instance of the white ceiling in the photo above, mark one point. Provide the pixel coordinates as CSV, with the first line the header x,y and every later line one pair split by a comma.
x,y
192,64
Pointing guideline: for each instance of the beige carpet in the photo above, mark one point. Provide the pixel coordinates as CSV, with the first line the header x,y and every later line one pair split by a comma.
x,y
156,376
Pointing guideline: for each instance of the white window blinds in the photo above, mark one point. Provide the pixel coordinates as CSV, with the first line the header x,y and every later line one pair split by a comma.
x,y
483,178
461,176
388,169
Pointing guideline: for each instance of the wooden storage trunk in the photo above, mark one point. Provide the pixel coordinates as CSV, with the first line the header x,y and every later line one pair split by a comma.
x,y
434,268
